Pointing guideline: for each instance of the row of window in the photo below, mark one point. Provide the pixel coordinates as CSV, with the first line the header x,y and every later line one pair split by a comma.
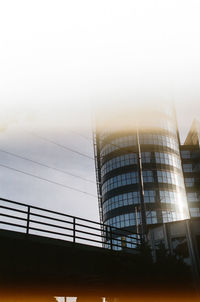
x,y
132,178
131,198
121,242
172,197
121,200
185,154
133,219
170,178
161,124
193,197
161,158
124,220
189,181
120,180
195,212
168,159
151,217
157,139
147,157
145,139
148,176
118,162
187,168
169,216
118,143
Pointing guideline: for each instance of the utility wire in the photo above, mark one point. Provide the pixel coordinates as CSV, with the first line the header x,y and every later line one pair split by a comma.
x,y
62,146
46,166
75,151
111,144
47,180
82,135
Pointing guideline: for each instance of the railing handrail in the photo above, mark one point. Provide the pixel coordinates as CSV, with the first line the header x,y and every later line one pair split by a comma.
x,y
66,215
108,234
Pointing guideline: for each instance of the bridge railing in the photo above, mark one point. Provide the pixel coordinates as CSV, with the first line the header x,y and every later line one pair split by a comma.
x,y
29,219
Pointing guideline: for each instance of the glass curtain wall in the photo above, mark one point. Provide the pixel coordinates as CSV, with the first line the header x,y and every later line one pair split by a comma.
x,y
164,194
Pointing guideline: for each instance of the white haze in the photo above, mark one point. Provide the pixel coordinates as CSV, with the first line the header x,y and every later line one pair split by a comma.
x,y
58,58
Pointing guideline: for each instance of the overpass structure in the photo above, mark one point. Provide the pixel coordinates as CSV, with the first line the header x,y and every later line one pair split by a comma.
x,y
62,255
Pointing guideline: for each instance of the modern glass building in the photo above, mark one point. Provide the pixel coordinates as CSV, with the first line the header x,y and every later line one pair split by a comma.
x,y
190,154
139,170
182,238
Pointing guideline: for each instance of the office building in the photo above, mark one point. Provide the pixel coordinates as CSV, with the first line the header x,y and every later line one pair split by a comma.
x,y
183,237
190,154
139,170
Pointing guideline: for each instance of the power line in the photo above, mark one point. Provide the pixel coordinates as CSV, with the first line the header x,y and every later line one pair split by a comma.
x,y
45,165
90,139
62,146
82,135
111,144
47,180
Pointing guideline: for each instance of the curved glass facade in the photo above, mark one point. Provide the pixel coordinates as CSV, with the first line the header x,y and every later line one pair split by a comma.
x,y
162,189
121,200
145,139
147,157
120,181
165,124
118,162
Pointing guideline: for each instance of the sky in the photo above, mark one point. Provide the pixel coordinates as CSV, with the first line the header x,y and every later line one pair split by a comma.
x,y
59,59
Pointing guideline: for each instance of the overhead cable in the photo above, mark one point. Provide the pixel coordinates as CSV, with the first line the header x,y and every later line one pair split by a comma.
x,y
46,166
62,146
47,180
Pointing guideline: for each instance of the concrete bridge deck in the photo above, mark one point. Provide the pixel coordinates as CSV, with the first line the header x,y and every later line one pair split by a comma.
x,y
63,268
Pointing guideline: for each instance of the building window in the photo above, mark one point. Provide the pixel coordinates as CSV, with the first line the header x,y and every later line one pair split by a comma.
x,y
172,197
169,216
195,212
151,217
170,178
121,200
120,180
124,220
124,241
187,167
118,143
146,157
168,197
149,196
189,181
192,197
185,154
148,176
118,162
168,159
157,139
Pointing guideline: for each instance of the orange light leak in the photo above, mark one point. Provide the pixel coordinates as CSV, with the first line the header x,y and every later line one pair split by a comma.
x,y
140,295
161,298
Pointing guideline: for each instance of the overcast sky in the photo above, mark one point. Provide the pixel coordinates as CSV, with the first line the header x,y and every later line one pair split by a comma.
x,y
58,58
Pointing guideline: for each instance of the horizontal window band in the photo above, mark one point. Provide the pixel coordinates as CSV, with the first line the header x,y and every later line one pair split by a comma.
x,y
146,167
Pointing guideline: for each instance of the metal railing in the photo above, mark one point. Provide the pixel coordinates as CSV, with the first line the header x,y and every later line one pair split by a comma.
x,y
16,216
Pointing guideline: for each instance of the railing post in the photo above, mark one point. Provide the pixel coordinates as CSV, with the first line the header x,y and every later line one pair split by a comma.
x,y
74,229
111,243
28,219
